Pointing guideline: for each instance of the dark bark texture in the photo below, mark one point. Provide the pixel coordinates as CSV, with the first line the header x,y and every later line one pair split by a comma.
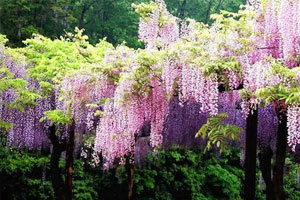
x,y
70,162
56,175
130,174
265,164
250,156
280,155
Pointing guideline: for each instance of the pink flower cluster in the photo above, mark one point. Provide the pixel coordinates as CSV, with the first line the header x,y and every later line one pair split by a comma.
x,y
195,86
171,73
159,109
256,75
293,115
148,30
233,80
113,140
288,22
82,93
271,31
154,30
169,33
124,116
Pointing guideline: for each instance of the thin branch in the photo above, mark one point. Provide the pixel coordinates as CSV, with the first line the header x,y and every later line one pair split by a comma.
x,y
267,47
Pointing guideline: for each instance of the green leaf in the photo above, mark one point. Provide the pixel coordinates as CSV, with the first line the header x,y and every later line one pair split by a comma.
x,y
57,117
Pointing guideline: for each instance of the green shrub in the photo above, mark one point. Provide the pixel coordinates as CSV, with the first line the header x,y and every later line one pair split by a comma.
x,y
175,173
21,175
179,173
291,186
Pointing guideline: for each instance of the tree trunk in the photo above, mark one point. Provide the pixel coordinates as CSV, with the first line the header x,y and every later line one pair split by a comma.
x,y
219,5
250,157
208,11
70,162
130,174
56,176
280,157
86,7
82,15
265,158
182,10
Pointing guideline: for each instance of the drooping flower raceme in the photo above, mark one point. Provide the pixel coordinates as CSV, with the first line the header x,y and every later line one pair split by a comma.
x,y
195,86
157,28
82,93
288,11
25,130
112,137
293,114
271,31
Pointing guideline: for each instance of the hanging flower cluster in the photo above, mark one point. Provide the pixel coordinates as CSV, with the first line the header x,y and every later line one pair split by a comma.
x,y
293,114
272,38
20,110
288,22
40,89
133,105
159,110
191,69
171,73
194,86
132,88
280,33
82,93
112,137
157,26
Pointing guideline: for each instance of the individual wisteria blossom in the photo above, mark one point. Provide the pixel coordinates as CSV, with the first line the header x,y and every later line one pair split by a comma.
x,y
234,80
296,30
257,53
184,28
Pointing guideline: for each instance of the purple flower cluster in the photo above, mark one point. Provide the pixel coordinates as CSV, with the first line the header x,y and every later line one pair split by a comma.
x,y
26,130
